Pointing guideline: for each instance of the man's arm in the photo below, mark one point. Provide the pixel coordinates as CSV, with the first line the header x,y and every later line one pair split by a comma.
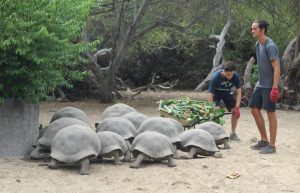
x,y
211,90
276,67
210,97
238,97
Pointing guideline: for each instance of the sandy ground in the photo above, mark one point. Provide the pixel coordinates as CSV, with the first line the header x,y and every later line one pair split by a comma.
x,y
279,172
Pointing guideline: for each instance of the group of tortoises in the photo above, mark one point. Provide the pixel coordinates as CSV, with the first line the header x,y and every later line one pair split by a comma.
x,y
123,132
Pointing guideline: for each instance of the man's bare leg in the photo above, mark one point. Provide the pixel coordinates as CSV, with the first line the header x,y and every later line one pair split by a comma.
x,y
273,127
260,123
234,121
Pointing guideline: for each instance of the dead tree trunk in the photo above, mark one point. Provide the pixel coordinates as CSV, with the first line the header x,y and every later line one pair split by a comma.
x,y
291,61
105,76
218,56
247,87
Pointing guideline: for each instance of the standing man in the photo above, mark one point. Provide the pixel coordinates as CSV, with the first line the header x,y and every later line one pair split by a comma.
x,y
266,92
220,89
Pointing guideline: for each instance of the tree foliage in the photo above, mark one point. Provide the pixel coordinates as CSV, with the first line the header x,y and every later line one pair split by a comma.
x,y
39,46
283,18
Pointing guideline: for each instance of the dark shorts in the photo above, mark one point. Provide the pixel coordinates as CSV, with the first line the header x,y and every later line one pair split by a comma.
x,y
229,101
261,99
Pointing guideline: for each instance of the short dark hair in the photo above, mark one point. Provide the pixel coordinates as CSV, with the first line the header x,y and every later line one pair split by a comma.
x,y
262,24
229,66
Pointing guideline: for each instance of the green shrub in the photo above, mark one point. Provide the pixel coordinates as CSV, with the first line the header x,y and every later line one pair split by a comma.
x,y
39,46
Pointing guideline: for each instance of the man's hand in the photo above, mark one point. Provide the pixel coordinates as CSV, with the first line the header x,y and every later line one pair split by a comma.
x,y
236,112
274,95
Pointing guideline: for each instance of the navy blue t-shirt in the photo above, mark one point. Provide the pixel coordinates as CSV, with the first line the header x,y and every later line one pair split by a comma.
x,y
219,85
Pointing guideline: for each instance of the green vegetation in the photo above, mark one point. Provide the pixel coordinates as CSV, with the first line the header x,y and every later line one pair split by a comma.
x,y
41,40
191,111
39,46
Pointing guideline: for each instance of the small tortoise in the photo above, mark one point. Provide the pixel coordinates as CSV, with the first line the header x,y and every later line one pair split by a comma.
x,y
75,144
42,149
136,118
163,126
154,146
217,131
113,145
119,125
72,112
116,110
198,141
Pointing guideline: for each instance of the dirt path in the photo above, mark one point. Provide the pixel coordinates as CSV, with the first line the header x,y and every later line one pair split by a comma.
x,y
259,173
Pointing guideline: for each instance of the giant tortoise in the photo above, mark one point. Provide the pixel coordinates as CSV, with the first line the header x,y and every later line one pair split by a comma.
x,y
217,131
198,141
75,144
72,112
42,149
120,126
136,118
152,145
116,110
113,145
163,126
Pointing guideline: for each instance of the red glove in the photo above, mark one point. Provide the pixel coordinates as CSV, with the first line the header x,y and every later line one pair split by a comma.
x,y
274,95
236,112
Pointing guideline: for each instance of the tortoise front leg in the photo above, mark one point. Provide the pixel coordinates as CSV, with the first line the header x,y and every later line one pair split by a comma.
x,y
35,154
217,155
171,161
138,161
226,145
175,155
53,164
84,166
127,156
192,153
117,158
128,144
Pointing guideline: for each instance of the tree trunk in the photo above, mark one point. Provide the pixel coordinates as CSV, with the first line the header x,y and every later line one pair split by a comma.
x,y
105,91
104,81
105,76
291,60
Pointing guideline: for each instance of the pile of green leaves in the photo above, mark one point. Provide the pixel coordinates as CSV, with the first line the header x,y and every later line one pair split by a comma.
x,y
192,111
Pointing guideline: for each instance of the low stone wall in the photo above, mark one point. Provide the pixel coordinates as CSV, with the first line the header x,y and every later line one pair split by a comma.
x,y
18,127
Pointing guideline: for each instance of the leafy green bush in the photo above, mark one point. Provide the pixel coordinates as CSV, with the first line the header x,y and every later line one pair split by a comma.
x,y
39,46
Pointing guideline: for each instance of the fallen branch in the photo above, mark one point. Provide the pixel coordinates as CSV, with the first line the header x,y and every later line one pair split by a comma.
x,y
165,86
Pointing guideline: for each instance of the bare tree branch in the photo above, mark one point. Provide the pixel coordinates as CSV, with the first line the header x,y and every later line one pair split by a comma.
x,y
219,52
165,85
165,22
247,73
102,52
221,43
129,35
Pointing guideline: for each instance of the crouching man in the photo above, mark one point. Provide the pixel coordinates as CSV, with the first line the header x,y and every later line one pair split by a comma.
x,y
220,89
